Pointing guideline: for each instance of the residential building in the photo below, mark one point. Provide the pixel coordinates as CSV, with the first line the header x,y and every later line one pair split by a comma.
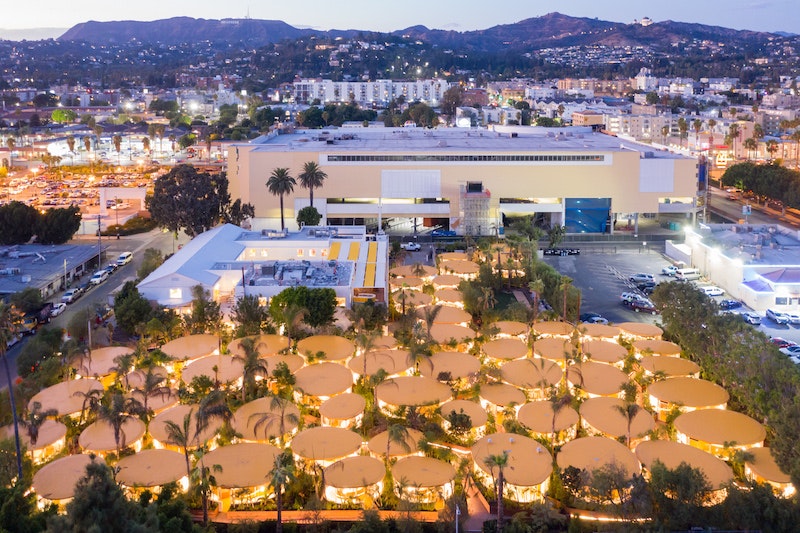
x,y
368,93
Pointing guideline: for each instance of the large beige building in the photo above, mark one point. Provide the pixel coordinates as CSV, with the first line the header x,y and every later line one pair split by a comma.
x,y
466,181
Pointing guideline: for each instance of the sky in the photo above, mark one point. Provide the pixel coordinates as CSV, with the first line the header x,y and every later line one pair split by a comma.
x,y
382,15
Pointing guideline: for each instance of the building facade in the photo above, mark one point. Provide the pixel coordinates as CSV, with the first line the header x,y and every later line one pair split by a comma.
x,y
425,178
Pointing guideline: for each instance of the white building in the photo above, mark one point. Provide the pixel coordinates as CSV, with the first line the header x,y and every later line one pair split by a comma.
x,y
229,262
367,93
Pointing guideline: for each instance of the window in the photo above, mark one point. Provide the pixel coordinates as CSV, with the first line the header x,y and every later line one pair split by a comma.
x,y
175,294
312,253
781,301
299,252
386,158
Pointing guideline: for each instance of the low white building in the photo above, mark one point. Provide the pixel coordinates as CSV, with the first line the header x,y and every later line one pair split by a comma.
x,y
755,263
230,262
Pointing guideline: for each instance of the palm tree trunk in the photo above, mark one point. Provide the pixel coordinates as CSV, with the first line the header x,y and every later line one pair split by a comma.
x,y
311,195
500,483
282,225
14,416
279,505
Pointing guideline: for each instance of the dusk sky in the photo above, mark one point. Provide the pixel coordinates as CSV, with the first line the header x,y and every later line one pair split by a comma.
x,y
461,15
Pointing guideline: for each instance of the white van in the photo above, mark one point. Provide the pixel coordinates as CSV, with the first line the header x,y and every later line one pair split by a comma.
x,y
124,258
687,274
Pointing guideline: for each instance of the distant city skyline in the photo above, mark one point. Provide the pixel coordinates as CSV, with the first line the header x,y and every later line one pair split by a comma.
x,y
464,15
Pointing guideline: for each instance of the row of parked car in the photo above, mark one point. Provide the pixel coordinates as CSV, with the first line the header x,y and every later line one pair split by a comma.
x,y
71,295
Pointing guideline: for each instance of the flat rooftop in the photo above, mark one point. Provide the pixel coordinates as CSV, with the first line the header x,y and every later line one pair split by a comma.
x,y
455,140
754,244
36,265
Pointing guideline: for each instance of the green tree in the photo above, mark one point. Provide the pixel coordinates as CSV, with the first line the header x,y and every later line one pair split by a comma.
x,y
283,472
281,183
183,436
205,315
396,434
188,200
276,416
499,462
8,330
116,140
18,223
238,212
131,308
116,410
28,300
203,479
683,129
451,100
252,365
629,411
555,235
57,226
151,260
34,420
249,316
311,178
308,216
100,505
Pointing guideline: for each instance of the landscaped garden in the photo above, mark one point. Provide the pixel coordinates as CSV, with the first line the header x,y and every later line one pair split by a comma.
x,y
409,417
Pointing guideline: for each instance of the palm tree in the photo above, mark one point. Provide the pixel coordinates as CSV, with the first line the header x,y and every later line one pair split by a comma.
x,y
115,410
629,411
500,462
734,133
116,140
276,414
152,386
566,282
750,145
664,134
34,420
90,402
311,178
252,364
558,402
697,125
281,183
398,434
282,473
8,330
429,315
772,147
712,123
203,478
683,129
182,437
291,316
214,405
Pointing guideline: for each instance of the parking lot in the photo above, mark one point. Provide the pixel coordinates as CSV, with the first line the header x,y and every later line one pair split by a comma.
x,y
603,277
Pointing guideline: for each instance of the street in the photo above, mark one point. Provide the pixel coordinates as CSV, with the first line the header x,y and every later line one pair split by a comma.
x,y
99,295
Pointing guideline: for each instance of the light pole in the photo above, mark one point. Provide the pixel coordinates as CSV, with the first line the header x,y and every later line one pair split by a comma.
x,y
116,210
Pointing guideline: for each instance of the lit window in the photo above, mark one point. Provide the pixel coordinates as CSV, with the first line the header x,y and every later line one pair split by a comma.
x,y
262,301
324,252
312,252
264,252
251,252
299,252
175,294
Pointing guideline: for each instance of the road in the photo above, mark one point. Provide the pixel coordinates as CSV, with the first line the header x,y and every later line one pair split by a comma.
x,y
96,296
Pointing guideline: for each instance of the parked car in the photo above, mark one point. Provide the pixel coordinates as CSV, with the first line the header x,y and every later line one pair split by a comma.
x,y
98,277
791,350
57,309
780,342
751,318
561,251
642,278
794,317
778,317
643,307
630,298
124,258
711,290
411,246
727,305
71,295
669,270
593,318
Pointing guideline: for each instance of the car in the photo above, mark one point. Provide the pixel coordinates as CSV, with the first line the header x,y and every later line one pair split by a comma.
x,y
711,290
561,251
781,342
669,270
778,317
642,278
643,307
794,317
727,305
111,268
628,298
71,295
98,277
592,318
443,233
124,258
791,350
411,246
57,309
751,318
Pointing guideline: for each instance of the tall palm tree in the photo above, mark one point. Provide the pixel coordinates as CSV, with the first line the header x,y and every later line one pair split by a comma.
x,y
281,183
181,436
683,129
629,412
8,330
203,477
311,178
751,146
291,316
557,402
34,420
116,140
500,462
282,473
115,410
152,386
252,364
734,133
212,406
697,125
397,434
566,282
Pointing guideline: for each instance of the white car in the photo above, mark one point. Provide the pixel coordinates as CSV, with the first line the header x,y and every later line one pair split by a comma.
x,y
98,277
57,309
791,350
669,270
711,290
642,278
411,246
